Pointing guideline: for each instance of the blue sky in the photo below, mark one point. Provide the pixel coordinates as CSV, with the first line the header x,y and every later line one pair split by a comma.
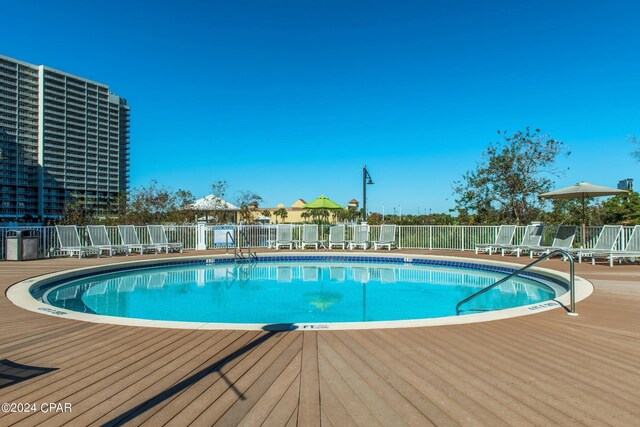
x,y
290,99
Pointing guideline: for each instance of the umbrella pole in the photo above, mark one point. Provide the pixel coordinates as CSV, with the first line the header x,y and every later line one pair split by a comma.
x,y
584,223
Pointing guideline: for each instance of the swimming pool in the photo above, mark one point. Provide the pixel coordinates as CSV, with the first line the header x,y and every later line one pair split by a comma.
x,y
323,292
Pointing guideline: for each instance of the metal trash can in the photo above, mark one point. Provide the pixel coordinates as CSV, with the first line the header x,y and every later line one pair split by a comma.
x,y
22,245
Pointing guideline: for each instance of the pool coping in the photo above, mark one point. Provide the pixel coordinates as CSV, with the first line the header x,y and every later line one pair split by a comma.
x,y
20,295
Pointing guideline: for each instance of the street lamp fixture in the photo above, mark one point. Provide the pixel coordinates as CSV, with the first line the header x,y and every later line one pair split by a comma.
x,y
366,180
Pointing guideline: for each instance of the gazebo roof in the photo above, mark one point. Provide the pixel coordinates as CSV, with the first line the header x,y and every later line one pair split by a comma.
x,y
211,203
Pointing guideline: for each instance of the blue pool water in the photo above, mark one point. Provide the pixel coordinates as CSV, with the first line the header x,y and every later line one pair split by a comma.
x,y
292,292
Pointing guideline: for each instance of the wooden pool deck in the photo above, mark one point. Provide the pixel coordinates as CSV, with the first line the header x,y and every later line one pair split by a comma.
x,y
543,369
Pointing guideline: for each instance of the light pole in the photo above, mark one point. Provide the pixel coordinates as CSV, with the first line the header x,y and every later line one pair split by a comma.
x,y
366,180
383,212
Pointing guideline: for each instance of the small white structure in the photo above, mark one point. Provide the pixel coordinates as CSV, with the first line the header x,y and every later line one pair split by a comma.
x,y
213,203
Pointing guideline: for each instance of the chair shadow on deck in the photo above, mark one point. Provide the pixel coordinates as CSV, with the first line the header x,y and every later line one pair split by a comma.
x,y
272,330
13,373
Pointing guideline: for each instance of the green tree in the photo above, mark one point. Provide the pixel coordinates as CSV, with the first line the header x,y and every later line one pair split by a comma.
x,y
347,215
374,218
505,185
280,213
77,210
245,201
622,209
569,211
151,204
182,211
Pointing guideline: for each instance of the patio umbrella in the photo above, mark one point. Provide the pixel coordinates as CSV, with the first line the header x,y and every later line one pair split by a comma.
x,y
582,190
322,202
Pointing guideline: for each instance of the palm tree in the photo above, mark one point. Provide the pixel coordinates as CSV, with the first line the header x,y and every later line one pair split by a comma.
x,y
282,213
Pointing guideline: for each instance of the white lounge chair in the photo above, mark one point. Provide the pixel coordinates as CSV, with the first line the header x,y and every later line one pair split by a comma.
x,y
605,243
336,236
99,238
504,237
360,237
562,240
631,250
387,237
532,237
310,236
158,237
284,236
69,241
129,238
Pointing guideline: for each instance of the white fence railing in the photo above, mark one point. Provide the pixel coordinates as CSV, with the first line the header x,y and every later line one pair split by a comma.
x,y
444,237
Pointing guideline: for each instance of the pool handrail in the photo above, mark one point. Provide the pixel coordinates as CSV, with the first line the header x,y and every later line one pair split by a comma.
x,y
237,248
572,280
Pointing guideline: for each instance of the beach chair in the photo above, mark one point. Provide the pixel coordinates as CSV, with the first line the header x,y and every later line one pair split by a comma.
x,y
129,238
158,238
336,236
532,237
99,238
562,240
504,237
387,237
284,236
360,237
310,236
606,242
69,241
630,252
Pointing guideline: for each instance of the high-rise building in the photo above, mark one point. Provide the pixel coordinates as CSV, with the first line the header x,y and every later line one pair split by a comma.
x,y
63,139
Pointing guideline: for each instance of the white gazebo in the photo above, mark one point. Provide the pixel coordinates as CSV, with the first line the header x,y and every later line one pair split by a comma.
x,y
213,203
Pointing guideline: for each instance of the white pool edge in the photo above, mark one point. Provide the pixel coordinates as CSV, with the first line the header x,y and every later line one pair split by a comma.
x,y
19,295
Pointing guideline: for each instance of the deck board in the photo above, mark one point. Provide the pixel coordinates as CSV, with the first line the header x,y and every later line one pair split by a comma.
x,y
543,369
232,391
259,379
402,408
284,389
309,404
202,377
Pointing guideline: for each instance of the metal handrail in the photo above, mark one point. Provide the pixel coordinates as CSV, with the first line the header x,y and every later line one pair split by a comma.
x,y
228,237
243,234
572,280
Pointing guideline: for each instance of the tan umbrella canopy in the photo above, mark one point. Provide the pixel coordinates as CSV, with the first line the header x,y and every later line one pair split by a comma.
x,y
582,190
